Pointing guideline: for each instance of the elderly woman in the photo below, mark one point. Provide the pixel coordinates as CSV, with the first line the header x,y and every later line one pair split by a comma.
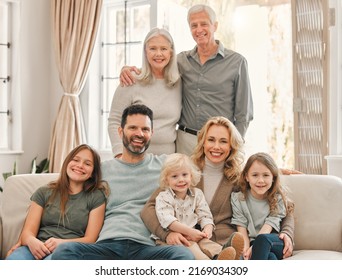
x,y
158,87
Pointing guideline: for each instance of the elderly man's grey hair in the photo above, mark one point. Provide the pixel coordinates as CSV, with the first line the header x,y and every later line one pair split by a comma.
x,y
200,8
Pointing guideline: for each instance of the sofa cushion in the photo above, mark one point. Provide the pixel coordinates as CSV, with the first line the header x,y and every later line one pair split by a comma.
x,y
318,211
315,255
15,202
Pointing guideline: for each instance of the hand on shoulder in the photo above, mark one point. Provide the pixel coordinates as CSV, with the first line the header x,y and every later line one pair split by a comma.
x,y
126,76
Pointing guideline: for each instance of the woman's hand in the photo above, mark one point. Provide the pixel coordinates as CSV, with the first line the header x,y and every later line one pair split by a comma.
x,y
52,243
196,235
38,248
208,230
176,238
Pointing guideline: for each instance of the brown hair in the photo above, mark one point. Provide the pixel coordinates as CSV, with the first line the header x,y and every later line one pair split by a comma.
x,y
61,186
276,188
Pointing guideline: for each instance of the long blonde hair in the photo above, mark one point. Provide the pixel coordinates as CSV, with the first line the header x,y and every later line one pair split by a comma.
x,y
276,188
234,161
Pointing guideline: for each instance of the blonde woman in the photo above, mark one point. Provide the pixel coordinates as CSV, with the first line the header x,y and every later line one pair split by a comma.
x,y
180,207
219,155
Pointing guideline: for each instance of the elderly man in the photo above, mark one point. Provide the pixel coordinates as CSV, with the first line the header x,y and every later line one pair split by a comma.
x,y
215,81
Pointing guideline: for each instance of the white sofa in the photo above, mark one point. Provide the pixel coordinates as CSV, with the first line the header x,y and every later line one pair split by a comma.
x,y
318,212
15,201
318,216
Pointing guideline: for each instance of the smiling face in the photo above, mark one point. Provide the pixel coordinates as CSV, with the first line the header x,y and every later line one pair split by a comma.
x,y
136,134
216,144
158,52
202,29
260,179
179,180
80,167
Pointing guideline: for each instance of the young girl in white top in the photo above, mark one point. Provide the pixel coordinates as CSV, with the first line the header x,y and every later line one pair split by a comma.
x,y
182,208
259,207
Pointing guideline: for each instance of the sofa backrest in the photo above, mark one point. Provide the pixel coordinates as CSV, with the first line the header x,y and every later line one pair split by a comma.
x,y
317,198
318,211
16,196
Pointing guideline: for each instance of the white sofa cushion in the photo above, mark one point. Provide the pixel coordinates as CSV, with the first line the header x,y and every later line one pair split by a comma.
x,y
15,202
315,255
318,211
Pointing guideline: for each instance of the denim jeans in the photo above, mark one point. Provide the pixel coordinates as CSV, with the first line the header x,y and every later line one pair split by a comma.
x,y
120,250
23,253
267,247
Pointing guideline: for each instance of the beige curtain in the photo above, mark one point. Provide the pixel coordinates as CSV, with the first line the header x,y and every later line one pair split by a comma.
x,y
75,24
311,84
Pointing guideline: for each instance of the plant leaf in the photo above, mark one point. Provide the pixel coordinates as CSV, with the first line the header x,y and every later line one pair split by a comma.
x,y
34,165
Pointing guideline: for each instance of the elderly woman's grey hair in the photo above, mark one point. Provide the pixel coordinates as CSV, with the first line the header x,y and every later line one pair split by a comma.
x,y
171,73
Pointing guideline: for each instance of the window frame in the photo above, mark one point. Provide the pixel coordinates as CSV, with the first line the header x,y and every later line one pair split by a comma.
x,y
97,133
14,132
334,102
335,83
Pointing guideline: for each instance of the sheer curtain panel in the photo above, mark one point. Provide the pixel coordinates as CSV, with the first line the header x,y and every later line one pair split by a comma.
x,y
75,25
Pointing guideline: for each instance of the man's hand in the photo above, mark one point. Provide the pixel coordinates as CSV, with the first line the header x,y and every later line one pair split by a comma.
x,y
176,238
126,77
288,246
286,171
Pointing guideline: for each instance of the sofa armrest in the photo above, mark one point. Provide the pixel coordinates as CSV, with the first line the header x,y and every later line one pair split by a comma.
x,y
15,203
1,236
317,211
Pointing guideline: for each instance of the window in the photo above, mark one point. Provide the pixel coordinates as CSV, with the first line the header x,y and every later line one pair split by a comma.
x,y
5,60
123,28
9,105
124,25
265,23
121,43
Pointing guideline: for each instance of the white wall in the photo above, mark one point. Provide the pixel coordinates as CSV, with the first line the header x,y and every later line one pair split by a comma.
x,y
334,159
39,86
335,104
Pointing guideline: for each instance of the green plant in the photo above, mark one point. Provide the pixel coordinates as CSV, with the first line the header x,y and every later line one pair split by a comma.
x,y
7,174
42,167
